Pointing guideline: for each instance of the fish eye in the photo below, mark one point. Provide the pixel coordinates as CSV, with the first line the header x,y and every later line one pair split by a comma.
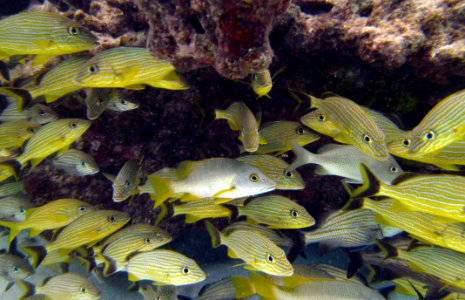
x,y
73,30
31,130
73,125
254,177
123,101
294,213
393,169
42,112
185,270
22,211
127,183
287,174
83,289
300,130
429,135
92,69
111,218
367,139
147,240
406,142
15,268
82,208
321,117
270,258
83,163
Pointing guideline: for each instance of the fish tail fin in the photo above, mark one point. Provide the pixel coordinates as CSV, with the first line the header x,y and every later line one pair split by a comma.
x,y
370,186
302,157
109,266
352,203
22,96
162,189
36,254
355,263
388,250
87,263
15,229
214,233
244,287
162,214
263,286
171,81
27,288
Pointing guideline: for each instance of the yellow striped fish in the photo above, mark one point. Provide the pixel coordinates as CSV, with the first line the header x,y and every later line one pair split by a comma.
x,y
277,212
7,170
128,67
66,286
89,228
164,267
44,34
233,287
14,267
390,129
436,194
76,163
442,125
262,83
258,252
354,125
59,80
279,135
13,188
269,233
275,169
126,181
51,138
350,228
55,214
13,134
139,228
13,208
419,225
201,209
38,113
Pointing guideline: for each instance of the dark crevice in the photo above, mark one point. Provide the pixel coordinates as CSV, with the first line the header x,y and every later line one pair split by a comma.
x,y
195,23
315,7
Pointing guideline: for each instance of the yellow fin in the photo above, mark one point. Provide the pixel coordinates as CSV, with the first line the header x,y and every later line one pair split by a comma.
x,y
136,87
162,214
192,219
262,141
15,229
62,150
40,59
232,254
34,232
398,206
263,286
218,194
448,167
36,161
49,98
170,81
380,220
341,139
244,287
162,190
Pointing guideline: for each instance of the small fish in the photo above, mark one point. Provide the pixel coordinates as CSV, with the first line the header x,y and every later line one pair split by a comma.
x,y
76,163
258,252
320,288
13,208
240,118
128,67
233,287
59,80
346,228
262,83
279,135
13,134
277,212
164,267
344,161
126,181
275,169
221,178
163,292
350,124
10,189
52,137
119,103
55,214
65,286
13,267
436,194
43,34
201,209
442,125
38,113
89,228
98,100
162,236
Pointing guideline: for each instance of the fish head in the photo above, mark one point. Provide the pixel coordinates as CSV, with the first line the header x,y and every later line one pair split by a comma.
x,y
252,181
298,217
96,72
120,103
96,102
290,180
16,267
28,130
261,83
423,142
303,135
87,166
188,272
81,288
400,146
272,260
152,240
76,128
42,114
321,122
78,208
373,144
386,170
117,218
73,36
250,139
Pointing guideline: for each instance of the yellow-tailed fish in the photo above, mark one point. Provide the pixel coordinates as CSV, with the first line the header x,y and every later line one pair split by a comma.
x,y
89,228
119,103
442,125
163,292
7,170
13,208
76,163
13,267
201,209
128,67
269,233
277,212
164,267
13,134
69,285
221,178
233,287
52,137
162,236
115,254
38,113
257,251
419,225
350,228
59,80
436,194
314,289
262,83
352,125
240,118
44,34
126,181
13,188
279,135
55,214
344,161
275,169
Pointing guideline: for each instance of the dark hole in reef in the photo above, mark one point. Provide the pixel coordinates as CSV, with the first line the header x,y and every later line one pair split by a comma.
x,y
315,7
365,11
194,22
